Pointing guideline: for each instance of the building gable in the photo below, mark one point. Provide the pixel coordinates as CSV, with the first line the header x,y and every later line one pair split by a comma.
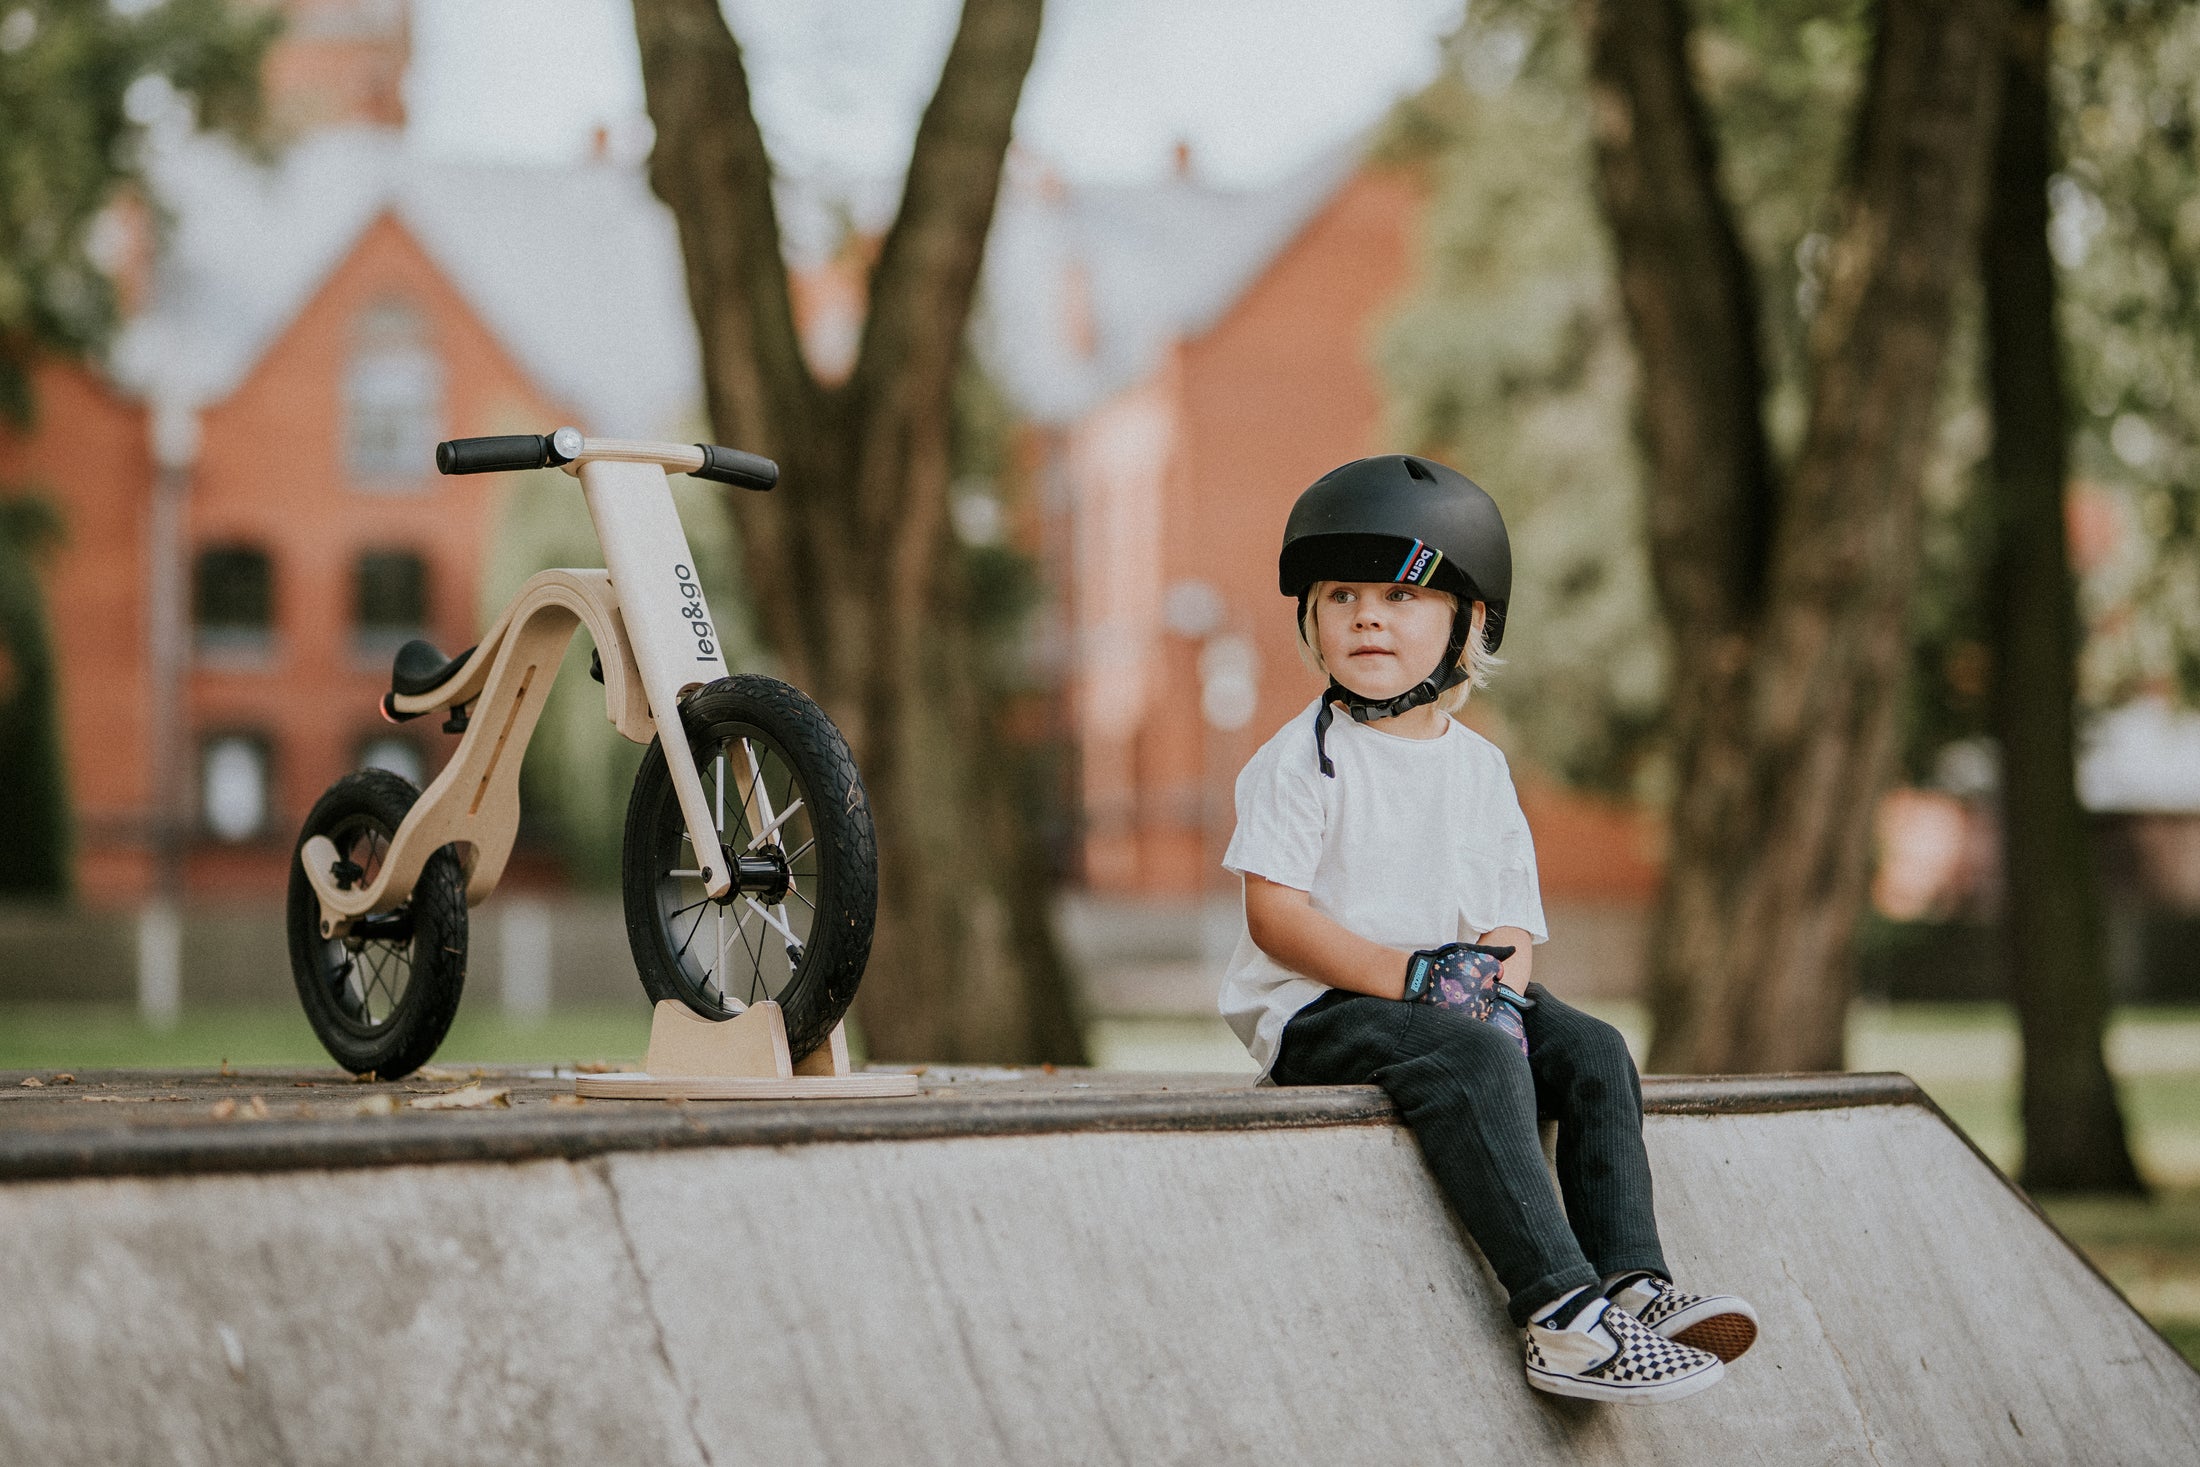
x,y
576,270
386,266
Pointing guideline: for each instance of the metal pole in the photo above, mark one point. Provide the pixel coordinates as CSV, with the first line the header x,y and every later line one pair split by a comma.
x,y
175,431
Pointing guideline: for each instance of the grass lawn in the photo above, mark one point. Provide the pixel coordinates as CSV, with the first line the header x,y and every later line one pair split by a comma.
x,y
1964,1055
97,1037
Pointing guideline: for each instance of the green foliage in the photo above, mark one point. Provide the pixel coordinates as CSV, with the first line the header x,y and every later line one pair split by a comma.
x,y
76,78
1512,358
2126,231
34,858
1511,361
1782,81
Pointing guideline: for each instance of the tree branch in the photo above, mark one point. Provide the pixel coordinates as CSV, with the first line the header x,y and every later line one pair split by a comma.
x,y
1691,302
927,272
710,167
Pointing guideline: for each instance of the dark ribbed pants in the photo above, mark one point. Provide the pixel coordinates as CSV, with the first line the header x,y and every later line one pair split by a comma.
x,y
1473,1100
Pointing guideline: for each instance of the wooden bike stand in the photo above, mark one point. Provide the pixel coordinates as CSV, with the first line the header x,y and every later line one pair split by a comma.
x,y
741,1058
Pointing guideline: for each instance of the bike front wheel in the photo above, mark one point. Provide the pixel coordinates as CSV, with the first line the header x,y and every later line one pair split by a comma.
x,y
793,822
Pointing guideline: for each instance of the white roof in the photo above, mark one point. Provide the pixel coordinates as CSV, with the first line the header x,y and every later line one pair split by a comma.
x,y
576,269
1157,263
2144,756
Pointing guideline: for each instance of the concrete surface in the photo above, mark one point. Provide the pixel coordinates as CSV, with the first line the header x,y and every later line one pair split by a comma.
x,y
1015,1267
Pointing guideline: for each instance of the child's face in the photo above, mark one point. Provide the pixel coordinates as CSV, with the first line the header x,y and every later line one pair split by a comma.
x,y
1379,639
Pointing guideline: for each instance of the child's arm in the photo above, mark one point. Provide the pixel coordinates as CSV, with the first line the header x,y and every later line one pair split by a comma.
x,y
1285,925
1523,958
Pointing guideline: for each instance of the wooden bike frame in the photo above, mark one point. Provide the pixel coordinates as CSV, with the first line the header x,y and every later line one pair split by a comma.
x,y
650,623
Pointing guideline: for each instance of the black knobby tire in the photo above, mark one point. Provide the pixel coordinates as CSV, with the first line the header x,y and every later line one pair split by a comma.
x,y
703,953
381,999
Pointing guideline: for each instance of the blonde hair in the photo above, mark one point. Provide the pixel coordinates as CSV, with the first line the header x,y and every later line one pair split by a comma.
x,y
1475,657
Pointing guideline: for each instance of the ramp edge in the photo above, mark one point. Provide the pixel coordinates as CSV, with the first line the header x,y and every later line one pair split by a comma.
x,y
530,1134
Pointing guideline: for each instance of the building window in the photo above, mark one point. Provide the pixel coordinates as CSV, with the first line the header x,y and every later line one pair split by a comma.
x,y
400,756
389,599
233,787
233,599
393,400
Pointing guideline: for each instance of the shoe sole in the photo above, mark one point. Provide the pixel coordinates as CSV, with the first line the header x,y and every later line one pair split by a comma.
x,y
1597,1390
1724,1335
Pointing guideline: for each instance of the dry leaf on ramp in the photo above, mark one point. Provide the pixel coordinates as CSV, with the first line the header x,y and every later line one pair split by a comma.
x,y
466,1097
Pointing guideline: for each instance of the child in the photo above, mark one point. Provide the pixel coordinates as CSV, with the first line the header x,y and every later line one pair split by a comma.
x,y
1390,904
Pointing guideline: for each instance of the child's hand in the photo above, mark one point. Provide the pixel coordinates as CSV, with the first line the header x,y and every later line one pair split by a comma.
x,y
1464,976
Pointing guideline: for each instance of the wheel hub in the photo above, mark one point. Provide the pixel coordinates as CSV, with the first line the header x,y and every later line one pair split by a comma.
x,y
762,874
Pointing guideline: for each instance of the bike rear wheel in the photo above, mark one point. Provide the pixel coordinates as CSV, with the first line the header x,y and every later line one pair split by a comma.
x,y
381,997
793,821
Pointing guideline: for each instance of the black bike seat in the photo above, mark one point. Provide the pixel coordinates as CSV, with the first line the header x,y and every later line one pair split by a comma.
x,y
420,668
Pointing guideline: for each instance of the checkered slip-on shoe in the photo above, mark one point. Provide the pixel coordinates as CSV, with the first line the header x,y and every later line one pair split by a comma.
x,y
1615,1358
1718,1323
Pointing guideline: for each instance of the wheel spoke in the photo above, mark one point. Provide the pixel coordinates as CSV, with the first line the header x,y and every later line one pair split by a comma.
x,y
755,954
682,952
373,982
376,979
718,960
761,796
771,831
778,922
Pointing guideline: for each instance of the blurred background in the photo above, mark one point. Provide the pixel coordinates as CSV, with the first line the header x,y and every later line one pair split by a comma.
x,y
261,255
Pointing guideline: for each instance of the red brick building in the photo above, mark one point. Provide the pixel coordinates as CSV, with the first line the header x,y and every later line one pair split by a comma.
x,y
297,344
1189,358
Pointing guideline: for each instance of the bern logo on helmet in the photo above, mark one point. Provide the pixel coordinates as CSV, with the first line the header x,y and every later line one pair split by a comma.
x,y
1420,566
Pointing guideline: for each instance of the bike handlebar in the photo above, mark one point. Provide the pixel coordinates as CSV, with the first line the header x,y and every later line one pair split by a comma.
x,y
732,466
495,455
553,450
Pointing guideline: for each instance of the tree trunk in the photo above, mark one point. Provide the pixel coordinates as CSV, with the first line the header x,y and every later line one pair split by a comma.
x,y
34,797
1788,602
849,560
2053,926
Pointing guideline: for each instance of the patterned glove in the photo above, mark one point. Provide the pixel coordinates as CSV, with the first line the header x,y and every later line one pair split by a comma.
x,y
1464,976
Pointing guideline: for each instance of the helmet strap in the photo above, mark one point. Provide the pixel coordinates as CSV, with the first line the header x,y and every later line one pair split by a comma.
x,y
1448,675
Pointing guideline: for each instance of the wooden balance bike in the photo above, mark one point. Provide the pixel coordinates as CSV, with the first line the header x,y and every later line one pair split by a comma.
x,y
750,870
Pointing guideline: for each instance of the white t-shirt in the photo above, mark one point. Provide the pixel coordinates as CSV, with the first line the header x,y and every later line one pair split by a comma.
x,y
1415,843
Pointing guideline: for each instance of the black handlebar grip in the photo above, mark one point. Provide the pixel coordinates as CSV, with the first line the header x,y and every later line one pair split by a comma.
x,y
732,466
495,455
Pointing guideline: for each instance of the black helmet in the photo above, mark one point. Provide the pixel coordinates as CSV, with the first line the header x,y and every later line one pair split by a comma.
x,y
1400,518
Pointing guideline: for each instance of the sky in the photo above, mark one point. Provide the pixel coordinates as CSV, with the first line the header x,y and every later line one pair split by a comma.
x,y
1255,86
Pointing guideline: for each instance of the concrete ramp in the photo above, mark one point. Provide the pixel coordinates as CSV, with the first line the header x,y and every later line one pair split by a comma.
x,y
1079,1269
